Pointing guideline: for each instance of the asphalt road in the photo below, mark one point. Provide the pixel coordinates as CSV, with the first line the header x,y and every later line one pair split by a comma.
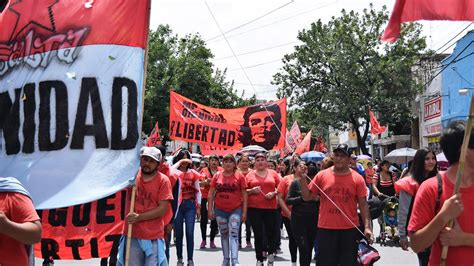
x,y
390,254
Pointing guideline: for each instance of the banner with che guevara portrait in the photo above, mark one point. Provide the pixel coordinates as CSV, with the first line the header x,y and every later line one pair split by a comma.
x,y
259,124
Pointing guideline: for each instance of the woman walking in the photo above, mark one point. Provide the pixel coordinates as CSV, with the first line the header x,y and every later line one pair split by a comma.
x,y
385,181
423,167
206,176
304,214
229,197
283,189
243,167
262,207
190,206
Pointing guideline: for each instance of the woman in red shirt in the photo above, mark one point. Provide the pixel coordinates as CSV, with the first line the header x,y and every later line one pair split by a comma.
x,y
190,206
262,207
243,167
206,176
229,198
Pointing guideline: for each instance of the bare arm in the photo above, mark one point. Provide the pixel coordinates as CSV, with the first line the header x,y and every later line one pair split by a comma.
x,y
149,215
426,236
283,205
210,203
27,233
244,208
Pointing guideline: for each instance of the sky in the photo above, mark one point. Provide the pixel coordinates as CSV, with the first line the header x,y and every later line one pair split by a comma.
x,y
261,32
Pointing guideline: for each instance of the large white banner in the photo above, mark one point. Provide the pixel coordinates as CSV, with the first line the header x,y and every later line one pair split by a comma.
x,y
70,112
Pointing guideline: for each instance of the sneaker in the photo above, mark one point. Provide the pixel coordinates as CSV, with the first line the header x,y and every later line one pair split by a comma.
x,y
180,262
203,244
259,263
271,259
190,263
226,262
212,245
249,244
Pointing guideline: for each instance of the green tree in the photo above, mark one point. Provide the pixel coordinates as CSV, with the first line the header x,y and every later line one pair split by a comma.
x,y
341,69
184,65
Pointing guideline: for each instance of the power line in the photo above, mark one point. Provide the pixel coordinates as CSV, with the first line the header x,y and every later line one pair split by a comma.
x,y
257,51
243,69
437,50
256,65
251,21
273,23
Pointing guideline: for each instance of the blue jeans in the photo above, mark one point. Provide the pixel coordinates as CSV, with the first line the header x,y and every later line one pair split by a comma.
x,y
229,225
186,214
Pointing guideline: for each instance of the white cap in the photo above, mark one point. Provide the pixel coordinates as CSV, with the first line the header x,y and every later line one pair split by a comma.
x,y
151,152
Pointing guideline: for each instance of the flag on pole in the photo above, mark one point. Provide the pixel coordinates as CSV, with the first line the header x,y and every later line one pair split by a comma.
x,y
154,138
376,128
293,138
413,10
304,146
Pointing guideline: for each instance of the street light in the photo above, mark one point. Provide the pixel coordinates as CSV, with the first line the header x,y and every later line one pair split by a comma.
x,y
463,91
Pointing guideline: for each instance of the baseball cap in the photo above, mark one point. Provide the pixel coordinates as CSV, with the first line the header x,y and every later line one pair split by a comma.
x,y
151,152
342,147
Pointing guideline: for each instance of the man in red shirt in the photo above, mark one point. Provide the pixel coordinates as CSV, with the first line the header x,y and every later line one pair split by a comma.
x,y
19,223
342,190
151,203
427,226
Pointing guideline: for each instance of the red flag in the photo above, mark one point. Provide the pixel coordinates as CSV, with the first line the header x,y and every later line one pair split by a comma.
x,y
304,146
376,128
413,10
154,138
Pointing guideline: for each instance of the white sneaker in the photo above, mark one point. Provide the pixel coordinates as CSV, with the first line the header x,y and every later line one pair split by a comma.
x,y
259,263
271,259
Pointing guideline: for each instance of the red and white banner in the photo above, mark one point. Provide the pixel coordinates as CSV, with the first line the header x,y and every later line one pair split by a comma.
x,y
85,231
293,138
71,75
413,10
305,144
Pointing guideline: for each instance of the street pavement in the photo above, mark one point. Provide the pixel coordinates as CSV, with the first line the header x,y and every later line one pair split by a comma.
x,y
390,254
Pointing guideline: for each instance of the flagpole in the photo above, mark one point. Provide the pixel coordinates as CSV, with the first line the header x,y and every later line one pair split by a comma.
x,y
134,188
459,174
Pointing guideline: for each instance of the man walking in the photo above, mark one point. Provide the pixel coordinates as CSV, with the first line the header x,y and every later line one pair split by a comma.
x,y
152,200
342,190
434,206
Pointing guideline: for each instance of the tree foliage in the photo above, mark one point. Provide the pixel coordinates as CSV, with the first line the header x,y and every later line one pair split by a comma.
x,y
341,69
184,65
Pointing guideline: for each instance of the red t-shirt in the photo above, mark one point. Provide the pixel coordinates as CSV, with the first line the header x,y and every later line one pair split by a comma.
x,y
148,196
424,211
206,174
344,190
283,188
173,177
407,184
268,183
18,208
370,175
228,190
188,190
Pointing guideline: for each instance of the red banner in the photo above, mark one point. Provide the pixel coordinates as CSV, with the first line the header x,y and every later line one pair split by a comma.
x,y
304,145
376,128
259,124
84,231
